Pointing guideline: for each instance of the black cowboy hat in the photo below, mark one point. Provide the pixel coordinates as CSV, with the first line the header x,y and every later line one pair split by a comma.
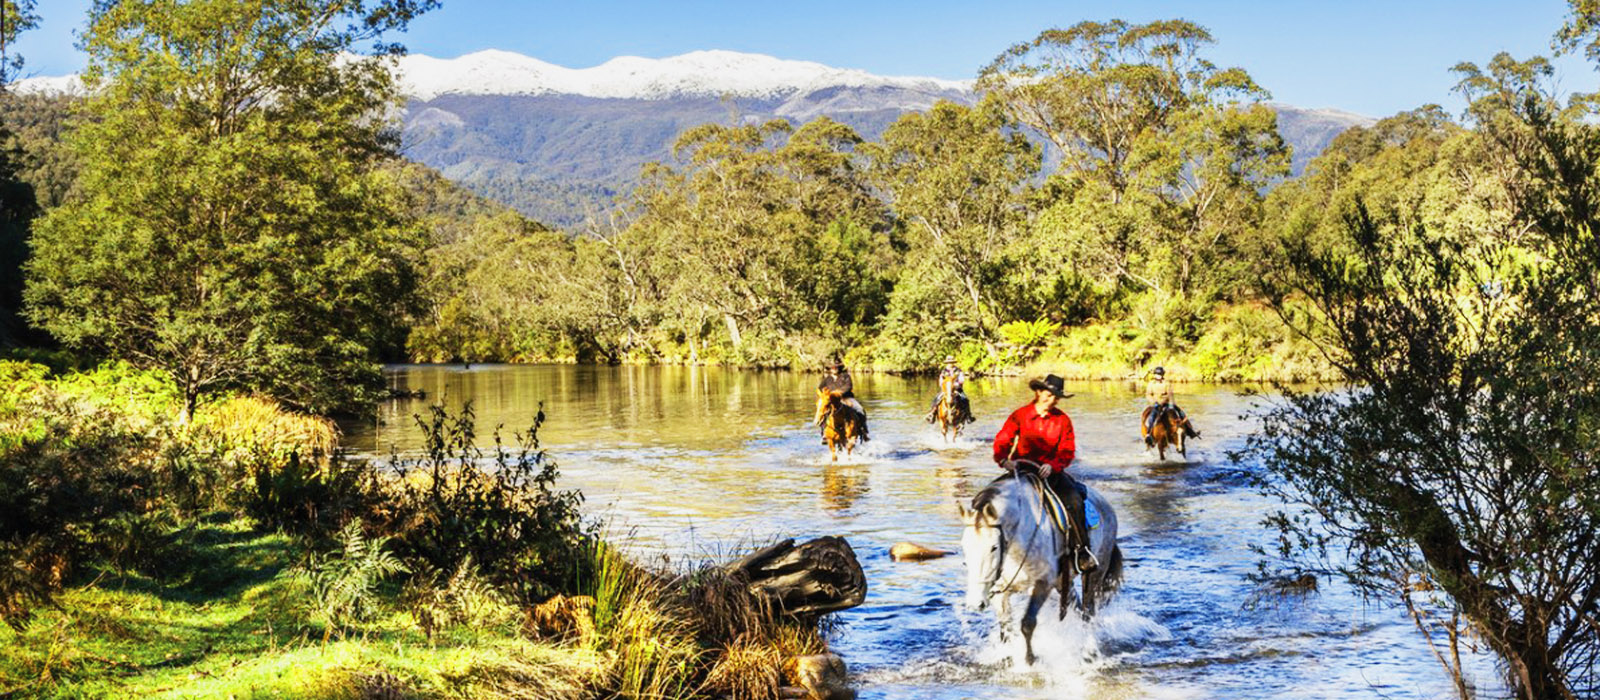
x,y
1052,384
836,364
1159,371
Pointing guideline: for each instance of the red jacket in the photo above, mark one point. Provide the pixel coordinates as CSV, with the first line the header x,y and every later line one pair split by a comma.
x,y
1046,439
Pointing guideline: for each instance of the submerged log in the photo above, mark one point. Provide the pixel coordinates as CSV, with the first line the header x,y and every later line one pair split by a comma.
x,y
818,577
911,551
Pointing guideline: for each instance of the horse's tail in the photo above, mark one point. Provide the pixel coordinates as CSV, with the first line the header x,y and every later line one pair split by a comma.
x,y
1113,576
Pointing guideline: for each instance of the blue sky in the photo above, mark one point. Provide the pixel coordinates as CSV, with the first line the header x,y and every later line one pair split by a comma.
x,y
1374,58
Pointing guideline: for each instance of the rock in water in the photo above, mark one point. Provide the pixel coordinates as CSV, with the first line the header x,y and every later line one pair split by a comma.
x,y
822,675
818,577
911,551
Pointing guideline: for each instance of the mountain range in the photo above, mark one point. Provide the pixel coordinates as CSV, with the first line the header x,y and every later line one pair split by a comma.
x,y
561,144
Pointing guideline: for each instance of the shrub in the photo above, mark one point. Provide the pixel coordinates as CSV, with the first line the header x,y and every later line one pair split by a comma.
x,y
66,471
248,425
447,508
307,497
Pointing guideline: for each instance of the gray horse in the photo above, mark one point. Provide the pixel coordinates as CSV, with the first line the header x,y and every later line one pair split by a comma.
x,y
1011,546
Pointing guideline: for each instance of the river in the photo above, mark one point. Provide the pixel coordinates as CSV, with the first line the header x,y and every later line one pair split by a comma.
x,y
691,463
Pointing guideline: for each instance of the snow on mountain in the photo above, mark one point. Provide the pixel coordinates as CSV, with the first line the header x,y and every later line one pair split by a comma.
x,y
49,85
694,74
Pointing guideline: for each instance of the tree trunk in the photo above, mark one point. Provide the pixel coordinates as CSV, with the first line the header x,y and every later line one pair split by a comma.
x,y
733,330
818,577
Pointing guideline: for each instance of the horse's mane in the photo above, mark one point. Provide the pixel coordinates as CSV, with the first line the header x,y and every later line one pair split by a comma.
x,y
992,491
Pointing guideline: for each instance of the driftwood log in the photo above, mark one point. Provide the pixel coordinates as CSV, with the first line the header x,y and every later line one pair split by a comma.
x,y
818,577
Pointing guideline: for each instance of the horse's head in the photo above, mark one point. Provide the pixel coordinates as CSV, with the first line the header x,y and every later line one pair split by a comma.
x,y
983,547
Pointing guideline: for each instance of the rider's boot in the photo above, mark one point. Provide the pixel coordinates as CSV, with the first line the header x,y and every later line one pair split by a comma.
x,y
1083,559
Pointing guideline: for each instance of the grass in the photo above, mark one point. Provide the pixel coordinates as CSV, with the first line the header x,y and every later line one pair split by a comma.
x,y
182,576
230,625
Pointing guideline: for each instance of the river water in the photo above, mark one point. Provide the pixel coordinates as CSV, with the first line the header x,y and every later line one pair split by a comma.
x,y
695,463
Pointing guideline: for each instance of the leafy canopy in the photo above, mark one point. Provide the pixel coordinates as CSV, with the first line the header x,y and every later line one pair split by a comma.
x,y
232,225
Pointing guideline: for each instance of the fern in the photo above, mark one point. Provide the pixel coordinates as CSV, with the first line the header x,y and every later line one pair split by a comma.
x,y
344,582
1028,334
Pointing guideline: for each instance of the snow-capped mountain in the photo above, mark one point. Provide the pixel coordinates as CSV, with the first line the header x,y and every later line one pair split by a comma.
x,y
49,85
558,142
695,74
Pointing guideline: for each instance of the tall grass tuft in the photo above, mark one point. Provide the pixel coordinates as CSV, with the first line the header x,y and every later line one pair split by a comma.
x,y
647,632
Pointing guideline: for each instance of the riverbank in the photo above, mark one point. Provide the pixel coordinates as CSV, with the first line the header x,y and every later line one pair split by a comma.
x,y
1239,343
239,555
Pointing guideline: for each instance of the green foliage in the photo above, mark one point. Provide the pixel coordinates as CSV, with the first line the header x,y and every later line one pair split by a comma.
x,y
955,177
1164,154
440,600
236,233
447,508
16,16
343,583
1463,463
1028,334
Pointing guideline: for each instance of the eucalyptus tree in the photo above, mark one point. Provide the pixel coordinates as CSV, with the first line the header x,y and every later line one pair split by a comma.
x,y
233,224
1456,477
763,229
18,201
957,177
1163,154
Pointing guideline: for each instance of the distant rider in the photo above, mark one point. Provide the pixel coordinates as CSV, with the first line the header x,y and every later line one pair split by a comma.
x,y
1042,434
837,381
1159,393
958,380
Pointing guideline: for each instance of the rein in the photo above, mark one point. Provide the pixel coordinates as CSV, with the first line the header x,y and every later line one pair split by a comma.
x,y
1038,525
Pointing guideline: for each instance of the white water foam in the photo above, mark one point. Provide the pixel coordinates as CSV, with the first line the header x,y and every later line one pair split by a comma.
x,y
932,441
1072,654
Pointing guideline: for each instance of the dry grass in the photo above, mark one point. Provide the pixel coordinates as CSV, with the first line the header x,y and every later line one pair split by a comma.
x,y
691,634
747,670
253,425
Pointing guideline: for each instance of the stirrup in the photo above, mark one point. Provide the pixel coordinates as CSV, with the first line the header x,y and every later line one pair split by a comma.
x,y
1094,561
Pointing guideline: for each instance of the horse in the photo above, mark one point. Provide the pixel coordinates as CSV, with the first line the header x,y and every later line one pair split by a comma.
x,y
1012,546
1169,430
950,415
841,424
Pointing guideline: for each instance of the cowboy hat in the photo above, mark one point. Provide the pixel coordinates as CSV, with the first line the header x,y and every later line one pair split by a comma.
x,y
1053,384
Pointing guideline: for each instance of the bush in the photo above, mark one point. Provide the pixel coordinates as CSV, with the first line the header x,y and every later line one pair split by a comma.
x,y
447,508
67,471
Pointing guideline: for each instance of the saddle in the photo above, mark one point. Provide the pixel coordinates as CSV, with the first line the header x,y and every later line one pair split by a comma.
x,y
1052,500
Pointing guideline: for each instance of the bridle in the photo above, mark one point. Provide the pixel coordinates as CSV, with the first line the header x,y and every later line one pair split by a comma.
x,y
1000,552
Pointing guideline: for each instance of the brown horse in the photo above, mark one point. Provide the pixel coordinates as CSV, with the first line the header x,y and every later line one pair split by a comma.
x,y
841,424
950,415
1169,430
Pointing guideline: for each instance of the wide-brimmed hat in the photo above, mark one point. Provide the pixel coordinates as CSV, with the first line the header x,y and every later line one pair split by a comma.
x,y
949,359
1050,383
1159,371
836,364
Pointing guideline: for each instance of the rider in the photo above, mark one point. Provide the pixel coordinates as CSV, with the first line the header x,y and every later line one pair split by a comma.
x,y
958,380
837,381
1159,393
1042,433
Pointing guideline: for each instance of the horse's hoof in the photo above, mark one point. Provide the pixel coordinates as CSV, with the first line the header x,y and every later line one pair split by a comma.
x,y
1031,658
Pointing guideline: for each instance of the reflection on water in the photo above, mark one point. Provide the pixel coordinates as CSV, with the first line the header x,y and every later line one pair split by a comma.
x,y
696,462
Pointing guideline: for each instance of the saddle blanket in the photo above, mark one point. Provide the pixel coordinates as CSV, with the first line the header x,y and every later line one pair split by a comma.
x,y
1058,509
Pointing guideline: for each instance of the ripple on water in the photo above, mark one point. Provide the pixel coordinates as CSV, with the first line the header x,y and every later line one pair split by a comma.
x,y
707,464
